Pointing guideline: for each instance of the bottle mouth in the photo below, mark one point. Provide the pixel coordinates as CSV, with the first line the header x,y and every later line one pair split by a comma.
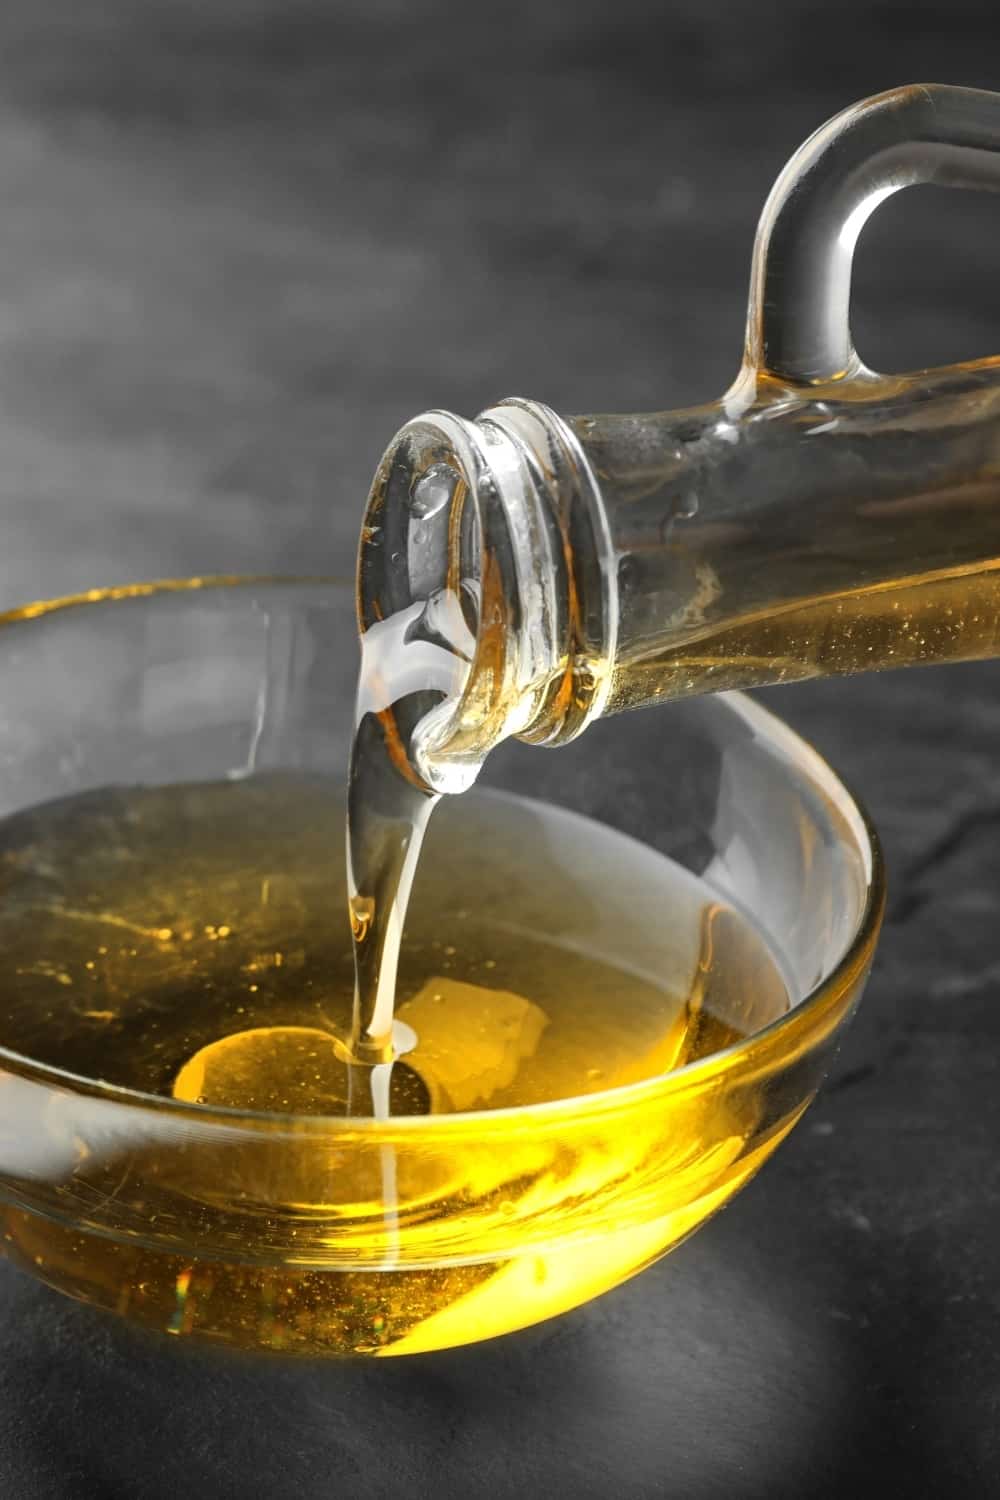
x,y
488,540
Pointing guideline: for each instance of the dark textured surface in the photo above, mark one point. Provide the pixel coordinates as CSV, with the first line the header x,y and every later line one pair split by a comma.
x,y
242,242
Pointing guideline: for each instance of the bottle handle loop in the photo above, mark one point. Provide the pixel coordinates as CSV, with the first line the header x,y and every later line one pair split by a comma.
x,y
798,327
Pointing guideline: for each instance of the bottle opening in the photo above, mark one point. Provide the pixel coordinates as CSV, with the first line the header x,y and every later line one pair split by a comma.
x,y
472,578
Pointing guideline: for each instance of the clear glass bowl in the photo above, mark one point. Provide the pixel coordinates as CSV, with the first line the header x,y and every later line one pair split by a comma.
x,y
193,1219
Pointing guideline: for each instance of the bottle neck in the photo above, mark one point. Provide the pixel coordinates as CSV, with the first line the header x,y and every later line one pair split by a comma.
x,y
791,531
490,539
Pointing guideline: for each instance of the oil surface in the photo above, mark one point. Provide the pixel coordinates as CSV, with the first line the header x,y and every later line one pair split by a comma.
x,y
189,941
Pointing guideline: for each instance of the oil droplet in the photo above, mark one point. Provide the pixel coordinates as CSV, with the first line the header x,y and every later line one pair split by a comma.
x,y
433,491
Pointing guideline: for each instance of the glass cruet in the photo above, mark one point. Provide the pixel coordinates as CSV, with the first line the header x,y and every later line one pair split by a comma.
x,y
817,518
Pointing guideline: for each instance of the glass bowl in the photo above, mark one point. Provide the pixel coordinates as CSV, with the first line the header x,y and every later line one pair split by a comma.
x,y
270,1231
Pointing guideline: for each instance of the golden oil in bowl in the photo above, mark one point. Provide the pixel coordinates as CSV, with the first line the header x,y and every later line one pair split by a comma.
x,y
182,941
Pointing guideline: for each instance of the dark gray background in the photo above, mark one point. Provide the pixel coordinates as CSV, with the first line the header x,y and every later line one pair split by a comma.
x,y
241,242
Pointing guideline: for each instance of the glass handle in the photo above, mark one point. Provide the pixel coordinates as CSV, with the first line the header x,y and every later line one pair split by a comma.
x,y
798,327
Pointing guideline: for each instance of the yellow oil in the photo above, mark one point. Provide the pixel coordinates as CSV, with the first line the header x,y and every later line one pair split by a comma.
x,y
191,942
912,621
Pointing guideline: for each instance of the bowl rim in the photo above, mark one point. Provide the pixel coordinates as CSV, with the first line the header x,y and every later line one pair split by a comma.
x,y
806,1016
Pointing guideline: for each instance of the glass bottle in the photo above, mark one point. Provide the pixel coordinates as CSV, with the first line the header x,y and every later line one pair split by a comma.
x,y
818,518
